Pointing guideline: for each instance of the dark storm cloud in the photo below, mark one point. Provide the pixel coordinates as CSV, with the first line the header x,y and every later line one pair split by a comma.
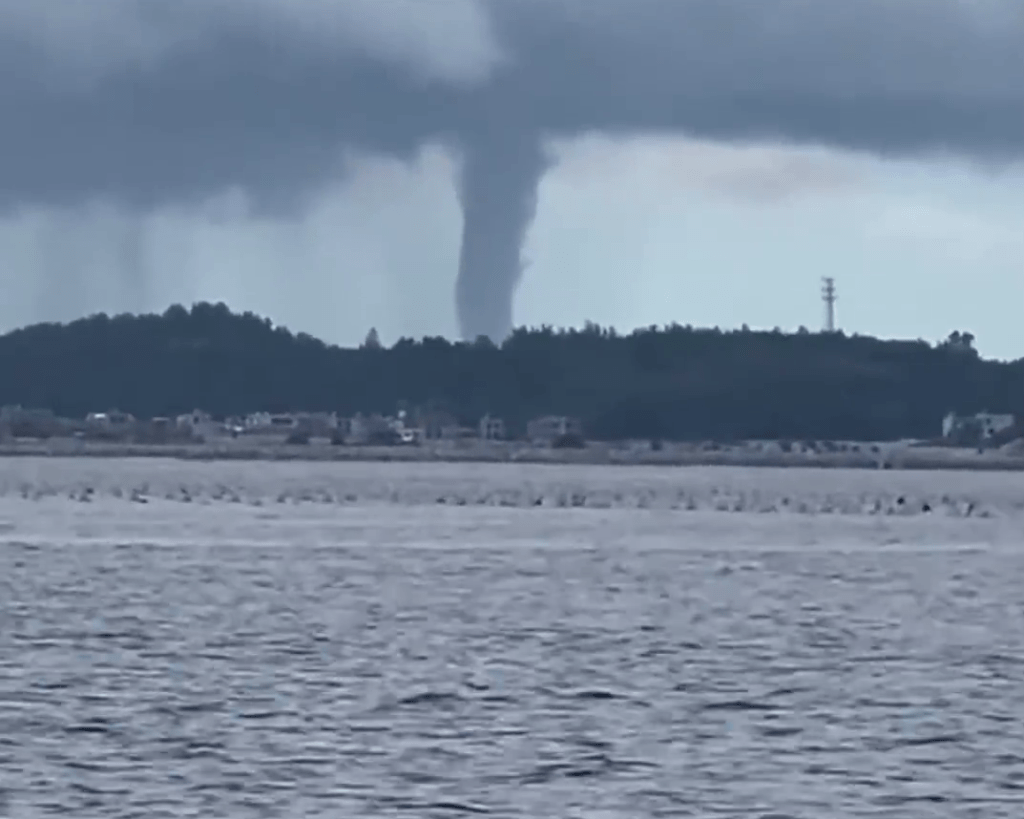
x,y
258,106
271,124
895,76
108,99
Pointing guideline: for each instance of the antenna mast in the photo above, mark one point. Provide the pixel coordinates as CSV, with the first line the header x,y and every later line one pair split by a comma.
x,y
828,295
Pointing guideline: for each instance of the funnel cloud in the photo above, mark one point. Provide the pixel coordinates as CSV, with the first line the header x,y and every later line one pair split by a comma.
x,y
497,190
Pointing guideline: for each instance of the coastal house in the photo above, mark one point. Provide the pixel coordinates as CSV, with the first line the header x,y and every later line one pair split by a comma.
x,y
550,428
199,424
22,422
372,429
314,424
407,430
438,425
492,429
192,419
234,425
110,418
159,430
263,422
456,432
981,426
318,424
112,425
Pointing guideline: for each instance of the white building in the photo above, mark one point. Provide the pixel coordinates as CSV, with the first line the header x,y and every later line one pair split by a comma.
x,y
112,419
263,421
993,424
988,424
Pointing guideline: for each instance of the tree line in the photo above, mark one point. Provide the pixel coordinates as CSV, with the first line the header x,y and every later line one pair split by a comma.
x,y
669,383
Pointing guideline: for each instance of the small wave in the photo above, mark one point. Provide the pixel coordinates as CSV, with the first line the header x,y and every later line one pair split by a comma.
x,y
596,694
262,715
938,739
780,732
427,698
591,765
89,728
739,705
457,807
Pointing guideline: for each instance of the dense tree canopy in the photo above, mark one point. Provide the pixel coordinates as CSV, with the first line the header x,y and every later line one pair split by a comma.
x,y
675,382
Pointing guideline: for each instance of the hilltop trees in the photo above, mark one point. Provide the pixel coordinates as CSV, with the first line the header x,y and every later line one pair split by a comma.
x,y
669,383
372,341
961,342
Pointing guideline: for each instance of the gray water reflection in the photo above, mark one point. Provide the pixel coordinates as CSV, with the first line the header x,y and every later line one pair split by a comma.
x,y
550,681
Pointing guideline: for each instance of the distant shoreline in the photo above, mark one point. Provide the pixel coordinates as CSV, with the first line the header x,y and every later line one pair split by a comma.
x,y
888,456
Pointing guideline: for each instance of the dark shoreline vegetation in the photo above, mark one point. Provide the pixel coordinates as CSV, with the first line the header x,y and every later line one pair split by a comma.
x,y
674,383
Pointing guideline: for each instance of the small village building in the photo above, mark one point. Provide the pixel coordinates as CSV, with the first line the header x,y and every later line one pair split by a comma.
x,y
372,429
983,425
406,429
270,421
111,419
492,429
318,424
23,422
545,431
438,425
200,425
158,430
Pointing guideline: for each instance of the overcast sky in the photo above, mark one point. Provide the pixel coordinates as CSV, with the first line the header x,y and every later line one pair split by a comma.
x,y
709,161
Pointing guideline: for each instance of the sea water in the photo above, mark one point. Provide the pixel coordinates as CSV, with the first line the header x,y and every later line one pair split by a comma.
x,y
301,640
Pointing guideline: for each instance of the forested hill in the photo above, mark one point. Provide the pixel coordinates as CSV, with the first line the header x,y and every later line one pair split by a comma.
x,y
676,382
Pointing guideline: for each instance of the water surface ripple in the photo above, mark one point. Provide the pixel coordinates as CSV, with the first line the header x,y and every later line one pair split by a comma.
x,y
542,677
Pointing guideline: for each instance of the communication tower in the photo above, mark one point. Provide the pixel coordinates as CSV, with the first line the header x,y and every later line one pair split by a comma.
x,y
828,295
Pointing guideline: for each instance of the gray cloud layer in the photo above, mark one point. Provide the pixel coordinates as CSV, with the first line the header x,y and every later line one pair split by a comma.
x,y
148,103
